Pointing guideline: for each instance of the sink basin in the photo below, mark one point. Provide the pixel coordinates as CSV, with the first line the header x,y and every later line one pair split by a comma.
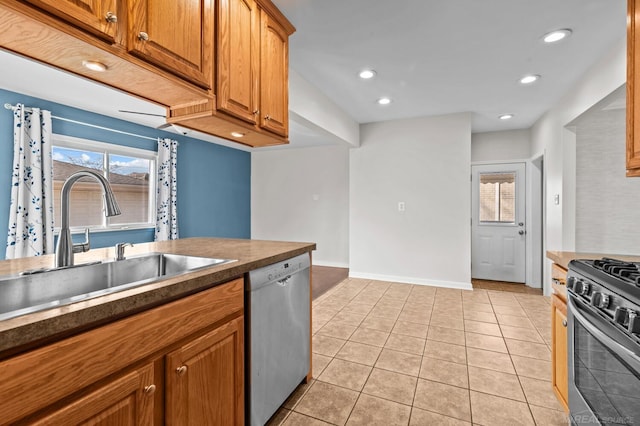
x,y
39,290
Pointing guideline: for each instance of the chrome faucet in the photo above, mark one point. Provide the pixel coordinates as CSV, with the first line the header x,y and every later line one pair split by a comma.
x,y
119,249
65,248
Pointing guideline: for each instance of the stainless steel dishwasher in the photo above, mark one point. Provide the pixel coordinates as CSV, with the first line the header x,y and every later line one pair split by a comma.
x,y
277,335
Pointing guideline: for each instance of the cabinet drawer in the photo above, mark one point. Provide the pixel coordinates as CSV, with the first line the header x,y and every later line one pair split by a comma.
x,y
558,274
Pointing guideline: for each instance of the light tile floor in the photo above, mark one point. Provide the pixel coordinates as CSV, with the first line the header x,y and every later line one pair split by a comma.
x,y
399,354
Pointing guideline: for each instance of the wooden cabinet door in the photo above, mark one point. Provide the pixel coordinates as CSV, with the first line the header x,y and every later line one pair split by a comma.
x,y
125,401
174,34
238,56
633,88
274,77
559,360
205,379
97,16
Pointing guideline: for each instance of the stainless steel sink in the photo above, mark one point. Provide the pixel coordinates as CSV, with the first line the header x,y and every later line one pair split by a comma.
x,y
38,290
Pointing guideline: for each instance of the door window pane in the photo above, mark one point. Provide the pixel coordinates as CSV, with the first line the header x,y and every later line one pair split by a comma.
x,y
497,197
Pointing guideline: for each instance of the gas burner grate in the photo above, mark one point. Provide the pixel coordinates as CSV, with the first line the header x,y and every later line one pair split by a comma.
x,y
626,271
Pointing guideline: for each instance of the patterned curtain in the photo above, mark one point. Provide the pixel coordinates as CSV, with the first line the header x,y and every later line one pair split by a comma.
x,y
167,198
31,210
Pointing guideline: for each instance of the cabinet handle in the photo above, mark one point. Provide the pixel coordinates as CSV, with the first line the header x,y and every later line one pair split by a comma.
x,y
181,370
150,390
111,17
564,323
142,36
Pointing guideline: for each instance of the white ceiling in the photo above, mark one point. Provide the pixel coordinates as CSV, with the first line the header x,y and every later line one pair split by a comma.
x,y
431,57
447,56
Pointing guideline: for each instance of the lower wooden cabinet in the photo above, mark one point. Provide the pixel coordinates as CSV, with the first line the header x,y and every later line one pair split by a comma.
x,y
204,379
559,360
125,401
181,363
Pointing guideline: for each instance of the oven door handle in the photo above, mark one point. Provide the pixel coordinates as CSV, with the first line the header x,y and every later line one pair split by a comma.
x,y
629,356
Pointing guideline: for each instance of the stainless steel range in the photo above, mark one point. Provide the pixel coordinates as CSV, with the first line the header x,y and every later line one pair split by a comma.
x,y
604,342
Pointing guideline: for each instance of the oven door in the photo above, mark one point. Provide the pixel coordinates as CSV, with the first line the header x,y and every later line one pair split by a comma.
x,y
604,370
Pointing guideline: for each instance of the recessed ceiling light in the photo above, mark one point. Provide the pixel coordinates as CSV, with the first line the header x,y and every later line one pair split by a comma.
x,y
528,79
94,66
556,35
367,74
237,134
384,101
506,116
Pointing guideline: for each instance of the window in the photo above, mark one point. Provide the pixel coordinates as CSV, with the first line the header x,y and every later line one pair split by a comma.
x,y
130,171
497,197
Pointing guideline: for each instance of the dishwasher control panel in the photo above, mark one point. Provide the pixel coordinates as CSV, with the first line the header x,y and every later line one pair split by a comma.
x,y
279,271
283,270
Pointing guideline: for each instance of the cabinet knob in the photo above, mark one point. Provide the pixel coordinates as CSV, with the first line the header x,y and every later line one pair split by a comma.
x,y
111,17
181,370
564,323
256,112
150,390
267,117
142,36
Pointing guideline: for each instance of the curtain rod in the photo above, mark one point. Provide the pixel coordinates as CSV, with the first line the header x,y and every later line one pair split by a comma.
x,y
13,107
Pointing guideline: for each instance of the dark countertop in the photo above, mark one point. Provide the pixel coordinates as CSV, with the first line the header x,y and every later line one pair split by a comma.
x,y
27,331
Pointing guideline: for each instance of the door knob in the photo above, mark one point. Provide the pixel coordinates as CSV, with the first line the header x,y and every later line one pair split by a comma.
x,y
521,232
520,224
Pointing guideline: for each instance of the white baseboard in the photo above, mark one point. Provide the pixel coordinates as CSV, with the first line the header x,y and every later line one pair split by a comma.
x,y
412,280
330,264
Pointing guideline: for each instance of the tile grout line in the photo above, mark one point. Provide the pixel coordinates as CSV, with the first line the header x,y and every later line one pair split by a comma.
x,y
349,296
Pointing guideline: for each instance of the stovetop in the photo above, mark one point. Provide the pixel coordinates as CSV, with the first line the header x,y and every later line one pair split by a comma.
x,y
610,287
626,271
615,275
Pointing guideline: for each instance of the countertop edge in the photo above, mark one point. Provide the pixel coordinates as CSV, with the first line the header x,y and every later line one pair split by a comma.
x,y
26,332
562,258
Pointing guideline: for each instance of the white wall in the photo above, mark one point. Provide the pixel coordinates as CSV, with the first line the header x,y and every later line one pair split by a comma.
x,y
425,163
310,107
549,136
284,188
501,146
607,202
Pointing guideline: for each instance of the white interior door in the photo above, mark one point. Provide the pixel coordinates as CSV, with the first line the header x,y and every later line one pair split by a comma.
x,y
498,237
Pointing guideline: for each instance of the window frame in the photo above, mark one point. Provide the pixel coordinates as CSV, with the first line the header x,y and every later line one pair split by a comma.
x,y
107,149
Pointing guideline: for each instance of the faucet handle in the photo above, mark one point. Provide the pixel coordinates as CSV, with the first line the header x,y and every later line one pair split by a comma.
x,y
85,245
119,248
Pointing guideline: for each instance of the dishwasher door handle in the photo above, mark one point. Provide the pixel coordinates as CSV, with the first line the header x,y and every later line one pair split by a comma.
x,y
283,282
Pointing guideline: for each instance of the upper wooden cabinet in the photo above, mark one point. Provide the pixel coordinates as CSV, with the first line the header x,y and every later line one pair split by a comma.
x,y
174,34
55,37
633,88
238,44
95,16
274,77
219,68
251,104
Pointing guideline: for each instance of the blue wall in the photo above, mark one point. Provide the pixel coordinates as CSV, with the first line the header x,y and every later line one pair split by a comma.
x,y
214,182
